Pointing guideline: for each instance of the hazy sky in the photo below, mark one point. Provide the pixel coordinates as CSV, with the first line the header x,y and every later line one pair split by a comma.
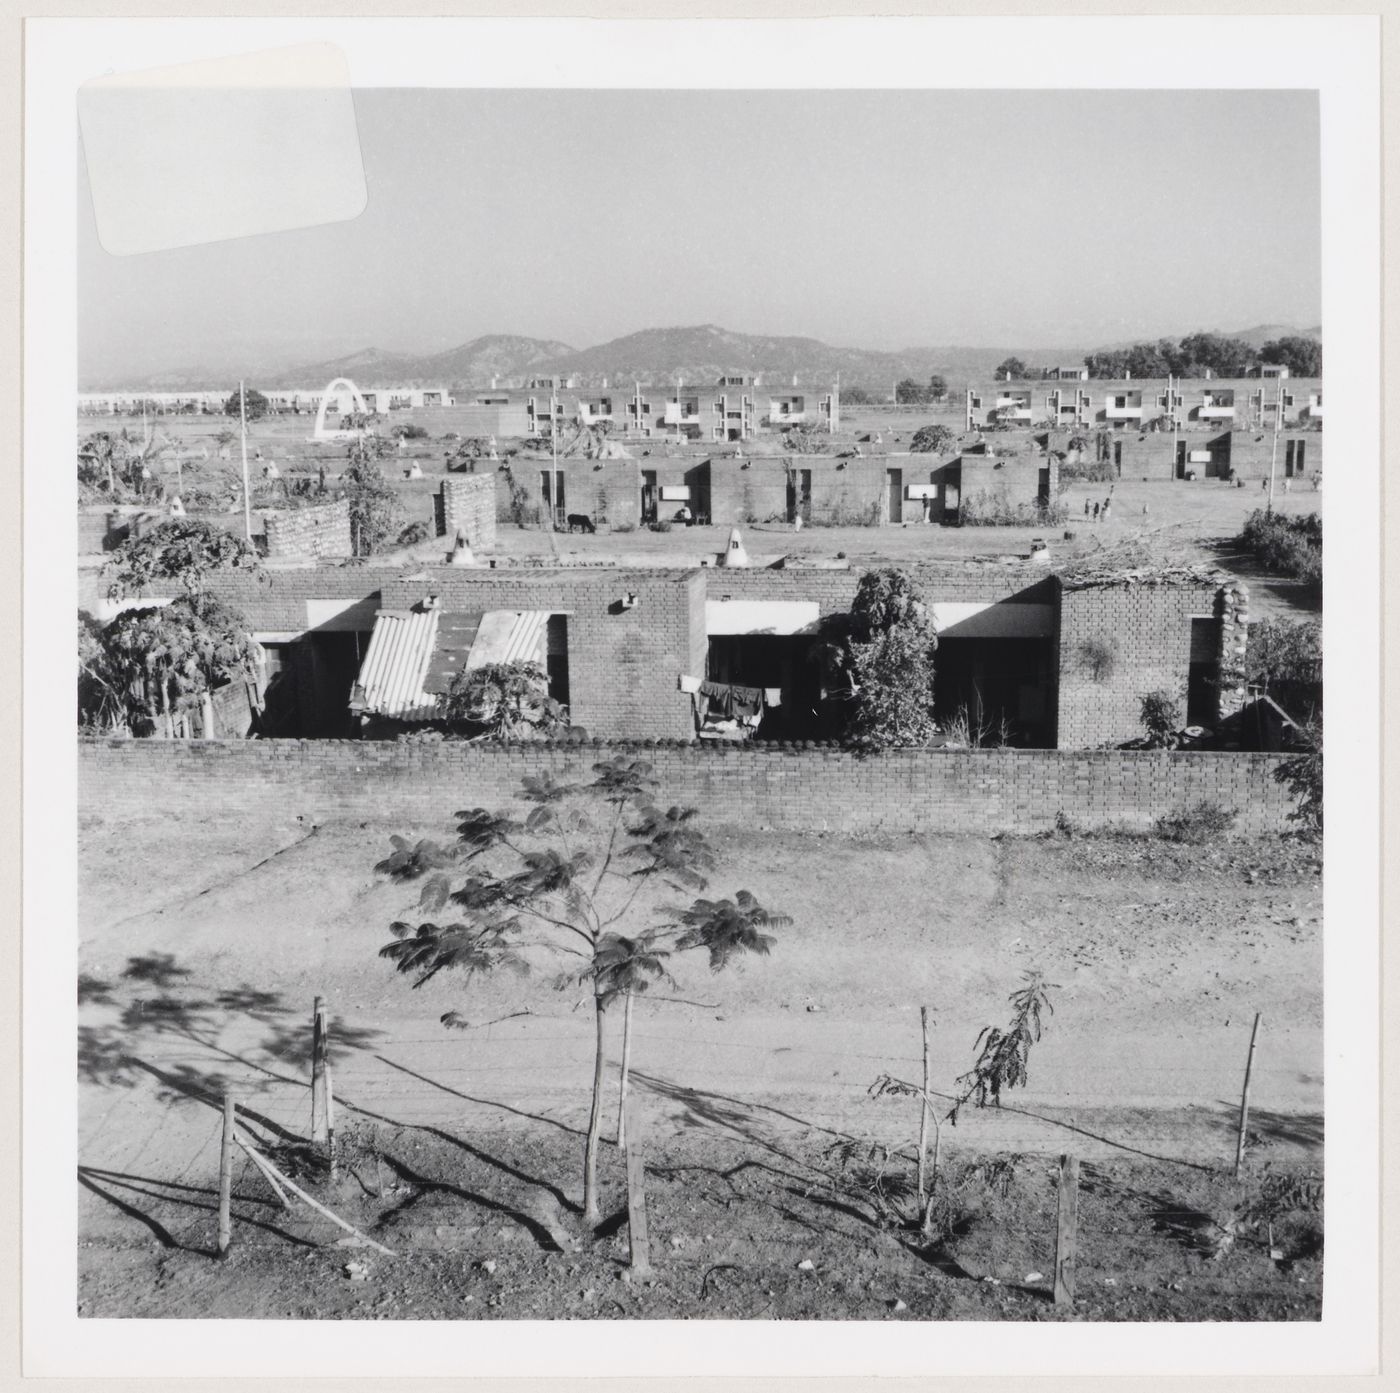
x,y
870,219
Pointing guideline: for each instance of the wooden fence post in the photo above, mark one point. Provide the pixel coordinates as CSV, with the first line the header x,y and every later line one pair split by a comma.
x,y
923,1111
639,1251
226,1175
1244,1098
320,1111
1066,1230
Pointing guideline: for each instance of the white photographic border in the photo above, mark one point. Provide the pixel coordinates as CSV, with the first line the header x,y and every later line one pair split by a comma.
x,y
1337,57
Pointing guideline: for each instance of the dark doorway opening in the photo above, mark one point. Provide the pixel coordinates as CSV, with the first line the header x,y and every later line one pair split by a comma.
x,y
894,486
786,661
1202,688
1000,687
649,496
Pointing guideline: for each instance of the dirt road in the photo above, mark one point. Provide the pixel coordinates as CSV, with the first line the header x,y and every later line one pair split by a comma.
x,y
204,946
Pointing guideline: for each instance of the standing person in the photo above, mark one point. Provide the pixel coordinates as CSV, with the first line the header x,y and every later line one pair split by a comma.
x,y
1086,507
1096,512
1144,512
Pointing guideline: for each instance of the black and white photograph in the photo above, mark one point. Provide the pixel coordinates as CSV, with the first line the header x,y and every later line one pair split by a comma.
x,y
700,694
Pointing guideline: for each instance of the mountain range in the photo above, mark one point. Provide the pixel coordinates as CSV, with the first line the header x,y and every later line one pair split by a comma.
x,y
695,354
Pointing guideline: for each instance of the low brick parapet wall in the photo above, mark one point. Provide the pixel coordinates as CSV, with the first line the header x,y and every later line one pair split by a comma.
x,y
806,789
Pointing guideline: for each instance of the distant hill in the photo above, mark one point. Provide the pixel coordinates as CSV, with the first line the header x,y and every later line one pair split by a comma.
x,y
695,353
701,353
505,356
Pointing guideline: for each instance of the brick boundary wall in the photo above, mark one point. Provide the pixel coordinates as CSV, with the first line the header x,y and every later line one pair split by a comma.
x,y
800,789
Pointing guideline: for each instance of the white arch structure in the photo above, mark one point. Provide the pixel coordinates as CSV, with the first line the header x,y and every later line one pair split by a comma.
x,y
333,389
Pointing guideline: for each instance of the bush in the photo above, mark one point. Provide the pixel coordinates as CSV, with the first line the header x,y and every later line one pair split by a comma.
x,y
660,525
994,508
1090,471
932,440
1284,657
1301,774
1290,546
1161,718
1197,822
414,533
410,432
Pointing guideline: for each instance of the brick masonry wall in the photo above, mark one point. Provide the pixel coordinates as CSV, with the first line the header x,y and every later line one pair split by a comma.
x,y
623,662
309,534
809,790
1147,633
468,502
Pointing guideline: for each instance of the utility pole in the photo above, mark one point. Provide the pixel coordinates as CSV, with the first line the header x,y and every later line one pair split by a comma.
x,y
554,452
1273,454
243,445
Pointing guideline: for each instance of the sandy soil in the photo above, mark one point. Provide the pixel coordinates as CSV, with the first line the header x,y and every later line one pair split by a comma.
x,y
203,953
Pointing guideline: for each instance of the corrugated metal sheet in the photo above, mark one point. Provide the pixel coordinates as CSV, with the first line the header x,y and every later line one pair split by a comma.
x,y
455,636
396,664
510,636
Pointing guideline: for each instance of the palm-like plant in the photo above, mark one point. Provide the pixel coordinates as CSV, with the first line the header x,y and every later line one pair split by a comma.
x,y
564,881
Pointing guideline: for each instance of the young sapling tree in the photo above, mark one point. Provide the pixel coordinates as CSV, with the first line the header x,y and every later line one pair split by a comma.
x,y
581,877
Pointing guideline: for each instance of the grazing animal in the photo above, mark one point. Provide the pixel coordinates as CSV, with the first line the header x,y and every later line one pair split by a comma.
x,y
580,522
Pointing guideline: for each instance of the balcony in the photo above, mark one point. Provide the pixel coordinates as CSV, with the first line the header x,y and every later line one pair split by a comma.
x,y
1217,411
1122,409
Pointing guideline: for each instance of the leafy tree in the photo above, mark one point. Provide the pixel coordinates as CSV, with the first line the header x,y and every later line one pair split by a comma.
x,y
932,440
1284,657
100,703
937,388
886,656
910,393
1106,365
1302,357
160,660
118,465
255,405
183,550
507,701
1302,775
374,506
1223,356
1012,368
856,396
565,881
1146,360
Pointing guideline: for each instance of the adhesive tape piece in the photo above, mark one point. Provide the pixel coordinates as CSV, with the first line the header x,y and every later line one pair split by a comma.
x,y
222,148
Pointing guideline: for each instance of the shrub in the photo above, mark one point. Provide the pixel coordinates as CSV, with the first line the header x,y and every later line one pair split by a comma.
x,y
1090,471
1197,822
1160,714
660,525
1290,546
414,533
932,440
1284,657
1301,774
410,432
994,508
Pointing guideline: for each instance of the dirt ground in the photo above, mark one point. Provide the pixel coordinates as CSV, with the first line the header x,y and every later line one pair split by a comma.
x,y
204,946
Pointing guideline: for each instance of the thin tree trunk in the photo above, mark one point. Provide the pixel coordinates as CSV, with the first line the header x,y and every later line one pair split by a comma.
x,y
592,1216
626,1066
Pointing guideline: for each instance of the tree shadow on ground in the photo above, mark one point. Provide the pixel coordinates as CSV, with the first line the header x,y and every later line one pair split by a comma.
x,y
425,1187
105,1184
1268,1128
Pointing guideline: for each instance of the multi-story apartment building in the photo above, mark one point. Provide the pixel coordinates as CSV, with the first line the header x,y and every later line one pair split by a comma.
x,y
1153,404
